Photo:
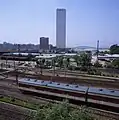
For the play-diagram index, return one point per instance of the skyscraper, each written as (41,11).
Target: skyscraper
(61,28)
(44,43)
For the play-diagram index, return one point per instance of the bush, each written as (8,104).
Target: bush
(83,68)
(71,68)
(103,74)
(94,72)
(1,96)
(77,68)
(13,99)
(97,64)
(90,72)
(109,65)
(108,75)
(112,75)
(62,112)
(98,73)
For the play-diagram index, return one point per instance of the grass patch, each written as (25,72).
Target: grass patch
(62,111)
(19,102)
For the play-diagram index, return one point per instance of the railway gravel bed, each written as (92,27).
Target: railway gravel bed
(83,80)
(13,112)
(106,114)
(14,92)
(100,114)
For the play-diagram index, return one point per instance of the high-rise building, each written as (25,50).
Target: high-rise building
(44,43)
(61,28)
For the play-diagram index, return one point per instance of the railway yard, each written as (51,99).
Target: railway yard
(59,60)
(99,94)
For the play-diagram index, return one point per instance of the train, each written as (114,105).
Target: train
(77,94)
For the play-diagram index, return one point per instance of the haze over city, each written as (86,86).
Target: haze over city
(25,21)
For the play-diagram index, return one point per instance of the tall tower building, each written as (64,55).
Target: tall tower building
(61,28)
(44,43)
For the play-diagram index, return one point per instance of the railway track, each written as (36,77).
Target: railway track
(60,98)
(96,112)
(25,97)
(10,112)
(112,85)
(7,114)
(16,93)
(76,74)
(10,88)
(78,80)
(74,78)
(95,97)
(106,114)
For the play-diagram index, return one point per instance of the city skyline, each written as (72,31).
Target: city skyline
(24,21)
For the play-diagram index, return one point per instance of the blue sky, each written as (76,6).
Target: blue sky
(24,21)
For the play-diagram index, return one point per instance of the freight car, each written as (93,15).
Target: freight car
(75,93)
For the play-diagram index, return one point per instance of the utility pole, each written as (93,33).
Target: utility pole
(16,77)
(19,51)
(6,62)
(19,48)
(97,49)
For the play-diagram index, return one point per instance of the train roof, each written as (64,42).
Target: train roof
(104,91)
(36,82)
(92,90)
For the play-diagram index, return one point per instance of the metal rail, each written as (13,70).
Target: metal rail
(73,100)
(95,111)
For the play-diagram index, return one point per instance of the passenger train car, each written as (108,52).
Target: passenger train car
(75,93)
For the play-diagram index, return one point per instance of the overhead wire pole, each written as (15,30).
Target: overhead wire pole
(19,51)
(97,49)
(97,52)
(16,69)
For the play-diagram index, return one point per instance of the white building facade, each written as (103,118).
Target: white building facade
(61,28)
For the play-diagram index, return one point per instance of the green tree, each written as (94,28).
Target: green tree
(66,63)
(29,57)
(85,60)
(43,61)
(60,62)
(48,63)
(115,63)
(37,62)
(114,49)
(62,112)
(2,65)
(53,64)
(76,58)
(97,64)
(40,64)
